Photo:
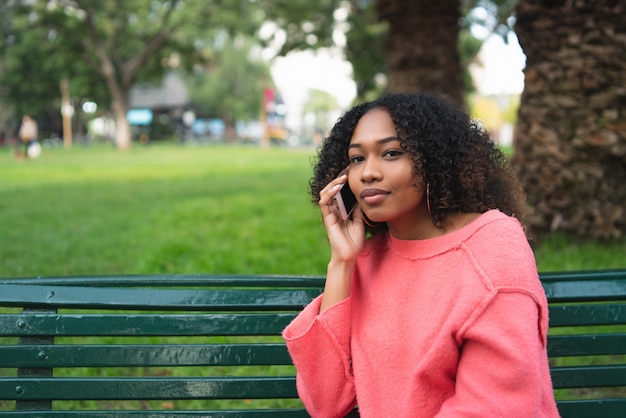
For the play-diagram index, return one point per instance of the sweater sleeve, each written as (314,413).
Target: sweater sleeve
(503,368)
(319,345)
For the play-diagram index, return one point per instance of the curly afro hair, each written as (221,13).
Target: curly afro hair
(454,155)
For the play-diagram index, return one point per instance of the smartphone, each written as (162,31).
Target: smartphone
(345,200)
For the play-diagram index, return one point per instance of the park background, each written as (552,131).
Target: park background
(178,137)
(237,96)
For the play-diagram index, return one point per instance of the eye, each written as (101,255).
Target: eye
(392,153)
(356,159)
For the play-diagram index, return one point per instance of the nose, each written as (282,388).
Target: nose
(370,171)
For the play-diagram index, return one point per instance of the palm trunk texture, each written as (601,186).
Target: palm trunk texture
(423,47)
(570,145)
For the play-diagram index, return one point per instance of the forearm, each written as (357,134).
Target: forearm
(320,348)
(337,287)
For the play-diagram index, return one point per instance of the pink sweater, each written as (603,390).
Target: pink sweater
(453,326)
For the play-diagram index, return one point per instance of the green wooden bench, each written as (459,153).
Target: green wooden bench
(206,345)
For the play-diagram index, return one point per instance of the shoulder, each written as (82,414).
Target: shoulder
(500,249)
(498,226)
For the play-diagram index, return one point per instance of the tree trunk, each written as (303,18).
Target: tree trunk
(570,149)
(123,138)
(119,105)
(230,130)
(423,47)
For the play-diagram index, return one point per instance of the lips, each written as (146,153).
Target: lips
(373,196)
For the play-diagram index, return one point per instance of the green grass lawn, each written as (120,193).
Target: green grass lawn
(175,209)
(159,209)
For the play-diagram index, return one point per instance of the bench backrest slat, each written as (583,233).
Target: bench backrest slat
(589,376)
(144,355)
(147,388)
(586,345)
(178,280)
(587,314)
(146,298)
(153,324)
(584,286)
(604,408)
(239,413)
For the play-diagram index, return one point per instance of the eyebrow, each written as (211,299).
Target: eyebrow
(379,142)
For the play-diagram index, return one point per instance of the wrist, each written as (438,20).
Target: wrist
(338,280)
(340,268)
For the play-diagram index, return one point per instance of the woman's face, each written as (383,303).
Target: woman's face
(382,176)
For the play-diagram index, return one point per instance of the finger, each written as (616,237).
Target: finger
(329,192)
(341,179)
(331,209)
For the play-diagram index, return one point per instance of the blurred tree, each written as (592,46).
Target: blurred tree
(366,40)
(34,60)
(570,149)
(393,45)
(320,105)
(422,49)
(124,42)
(230,86)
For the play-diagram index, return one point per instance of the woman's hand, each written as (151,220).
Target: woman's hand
(346,241)
(346,237)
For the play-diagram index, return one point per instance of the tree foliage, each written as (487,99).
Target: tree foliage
(35,60)
(365,49)
(230,86)
(304,24)
(496,16)
(120,42)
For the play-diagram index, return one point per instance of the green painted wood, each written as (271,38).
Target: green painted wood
(585,286)
(24,295)
(254,413)
(586,345)
(601,408)
(37,372)
(587,314)
(148,388)
(144,355)
(588,376)
(565,276)
(154,324)
(177,280)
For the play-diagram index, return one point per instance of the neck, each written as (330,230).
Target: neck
(423,227)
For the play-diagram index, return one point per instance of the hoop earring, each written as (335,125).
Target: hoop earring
(370,223)
(428,198)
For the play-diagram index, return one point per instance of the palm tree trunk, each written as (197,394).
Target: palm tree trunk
(570,149)
(423,47)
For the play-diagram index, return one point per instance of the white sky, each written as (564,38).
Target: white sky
(299,72)
(503,65)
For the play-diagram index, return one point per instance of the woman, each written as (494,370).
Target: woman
(432,304)
(28,133)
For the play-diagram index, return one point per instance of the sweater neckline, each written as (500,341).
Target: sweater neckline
(434,246)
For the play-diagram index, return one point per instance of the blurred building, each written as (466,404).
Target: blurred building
(169,103)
